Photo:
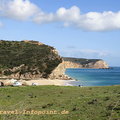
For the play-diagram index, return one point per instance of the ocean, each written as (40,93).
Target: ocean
(95,77)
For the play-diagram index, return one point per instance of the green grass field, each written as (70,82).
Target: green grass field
(69,103)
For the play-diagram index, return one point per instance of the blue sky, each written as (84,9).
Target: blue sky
(76,28)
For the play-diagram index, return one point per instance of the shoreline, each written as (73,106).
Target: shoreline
(37,82)
(43,82)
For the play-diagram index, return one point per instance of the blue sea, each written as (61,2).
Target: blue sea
(95,77)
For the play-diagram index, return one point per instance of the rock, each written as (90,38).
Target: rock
(59,72)
(100,64)
(84,63)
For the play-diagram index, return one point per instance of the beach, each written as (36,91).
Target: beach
(40,81)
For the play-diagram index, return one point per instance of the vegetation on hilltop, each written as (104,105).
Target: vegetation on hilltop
(82,61)
(35,58)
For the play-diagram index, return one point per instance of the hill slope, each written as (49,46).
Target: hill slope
(27,59)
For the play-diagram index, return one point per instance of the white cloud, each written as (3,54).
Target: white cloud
(19,9)
(71,15)
(100,21)
(92,21)
(61,15)
(84,53)
(42,17)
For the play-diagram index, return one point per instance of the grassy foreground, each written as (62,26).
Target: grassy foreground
(69,103)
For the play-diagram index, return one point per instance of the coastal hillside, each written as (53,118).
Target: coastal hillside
(27,59)
(60,103)
(84,63)
(32,59)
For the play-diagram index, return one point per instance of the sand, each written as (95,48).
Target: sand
(40,82)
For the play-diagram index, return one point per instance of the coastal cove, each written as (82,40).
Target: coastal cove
(47,67)
(94,77)
(59,59)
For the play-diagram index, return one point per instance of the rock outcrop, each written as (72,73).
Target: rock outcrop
(59,72)
(84,63)
(98,65)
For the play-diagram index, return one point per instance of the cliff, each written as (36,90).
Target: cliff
(27,59)
(32,59)
(84,63)
(59,71)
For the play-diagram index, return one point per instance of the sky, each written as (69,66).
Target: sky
(76,28)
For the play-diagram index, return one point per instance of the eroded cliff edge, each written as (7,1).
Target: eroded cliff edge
(84,63)
(67,62)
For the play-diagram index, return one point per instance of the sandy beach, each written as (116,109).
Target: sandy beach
(40,81)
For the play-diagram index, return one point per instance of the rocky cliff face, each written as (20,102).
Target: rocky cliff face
(71,64)
(59,71)
(98,65)
(84,63)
